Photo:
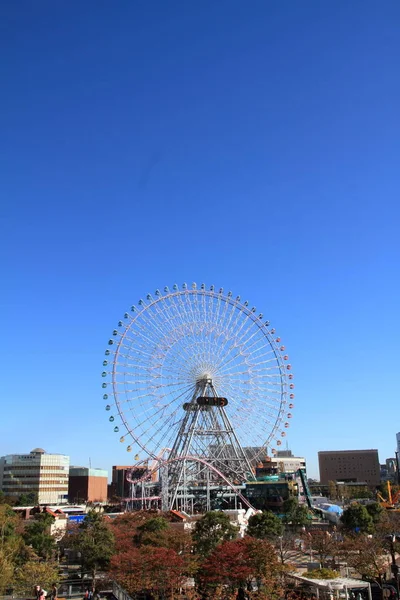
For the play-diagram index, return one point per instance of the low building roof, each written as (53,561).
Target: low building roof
(339,583)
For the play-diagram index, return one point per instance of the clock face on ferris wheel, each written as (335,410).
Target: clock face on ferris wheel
(170,341)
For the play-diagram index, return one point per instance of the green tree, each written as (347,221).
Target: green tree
(37,535)
(376,511)
(6,571)
(35,571)
(95,542)
(212,529)
(332,490)
(265,525)
(9,500)
(10,545)
(357,518)
(17,560)
(8,524)
(295,513)
(28,499)
(149,530)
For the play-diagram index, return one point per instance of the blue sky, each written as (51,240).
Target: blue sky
(250,145)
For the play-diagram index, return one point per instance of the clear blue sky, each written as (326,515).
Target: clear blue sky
(250,145)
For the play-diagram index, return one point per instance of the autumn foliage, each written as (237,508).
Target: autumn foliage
(157,571)
(243,564)
(152,557)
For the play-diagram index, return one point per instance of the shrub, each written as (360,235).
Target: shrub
(321,574)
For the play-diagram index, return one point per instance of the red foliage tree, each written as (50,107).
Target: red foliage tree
(242,565)
(157,571)
(125,526)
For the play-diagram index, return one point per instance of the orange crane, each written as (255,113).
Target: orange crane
(391,501)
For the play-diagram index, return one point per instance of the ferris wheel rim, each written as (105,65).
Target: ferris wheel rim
(249,314)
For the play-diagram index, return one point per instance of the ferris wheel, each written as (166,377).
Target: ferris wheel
(196,372)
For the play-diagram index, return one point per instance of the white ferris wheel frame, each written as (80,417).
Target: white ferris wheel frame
(145,307)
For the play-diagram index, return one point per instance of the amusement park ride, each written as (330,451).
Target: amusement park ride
(202,386)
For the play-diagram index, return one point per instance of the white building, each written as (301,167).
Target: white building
(287,463)
(37,472)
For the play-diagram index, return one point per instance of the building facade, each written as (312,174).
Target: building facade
(119,483)
(287,463)
(349,466)
(282,462)
(389,470)
(87,485)
(37,472)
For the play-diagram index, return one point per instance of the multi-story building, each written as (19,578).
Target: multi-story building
(87,485)
(119,484)
(287,463)
(389,470)
(37,472)
(282,462)
(398,444)
(349,466)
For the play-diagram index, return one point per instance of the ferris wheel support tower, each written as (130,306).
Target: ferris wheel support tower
(207,433)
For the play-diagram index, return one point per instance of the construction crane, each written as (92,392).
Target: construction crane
(391,501)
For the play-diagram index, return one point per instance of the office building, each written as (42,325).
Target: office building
(349,466)
(40,473)
(287,463)
(389,470)
(87,485)
(282,462)
(119,484)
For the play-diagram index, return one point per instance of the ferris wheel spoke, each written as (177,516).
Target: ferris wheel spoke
(230,329)
(166,350)
(249,347)
(142,428)
(164,424)
(184,312)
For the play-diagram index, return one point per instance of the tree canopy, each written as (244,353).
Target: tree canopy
(212,529)
(34,571)
(295,513)
(239,564)
(157,571)
(95,542)
(37,535)
(356,518)
(265,525)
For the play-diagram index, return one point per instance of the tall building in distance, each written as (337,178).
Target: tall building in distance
(87,485)
(37,472)
(349,466)
(398,444)
(287,463)
(119,485)
(389,470)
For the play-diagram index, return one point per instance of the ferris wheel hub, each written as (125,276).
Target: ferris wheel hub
(204,379)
